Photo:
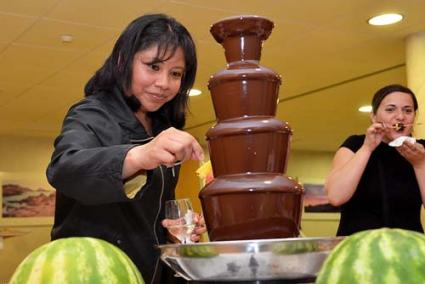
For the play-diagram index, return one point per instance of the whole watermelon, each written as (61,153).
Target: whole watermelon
(77,260)
(376,256)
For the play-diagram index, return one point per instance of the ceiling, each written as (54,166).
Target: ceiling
(330,59)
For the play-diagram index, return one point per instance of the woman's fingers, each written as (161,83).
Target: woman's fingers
(197,151)
(181,150)
(186,146)
(200,227)
(171,222)
(168,148)
(414,153)
(181,145)
(374,135)
(195,238)
(199,230)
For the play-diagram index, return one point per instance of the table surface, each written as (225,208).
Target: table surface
(7,232)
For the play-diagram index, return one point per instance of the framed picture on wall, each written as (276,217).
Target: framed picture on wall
(316,201)
(26,199)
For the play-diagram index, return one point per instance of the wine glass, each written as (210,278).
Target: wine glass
(181,212)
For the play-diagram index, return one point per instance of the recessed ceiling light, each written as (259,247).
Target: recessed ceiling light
(385,19)
(66,38)
(194,92)
(365,108)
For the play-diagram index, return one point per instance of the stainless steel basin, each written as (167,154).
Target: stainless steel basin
(265,259)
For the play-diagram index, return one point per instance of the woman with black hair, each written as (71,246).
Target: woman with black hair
(116,160)
(378,178)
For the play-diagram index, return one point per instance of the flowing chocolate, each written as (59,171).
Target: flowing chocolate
(250,197)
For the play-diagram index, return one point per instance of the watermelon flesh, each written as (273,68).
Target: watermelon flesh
(376,256)
(77,260)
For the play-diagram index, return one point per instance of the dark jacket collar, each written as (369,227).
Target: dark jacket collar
(126,118)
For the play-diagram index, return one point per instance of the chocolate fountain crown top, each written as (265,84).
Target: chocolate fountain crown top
(244,87)
(242,36)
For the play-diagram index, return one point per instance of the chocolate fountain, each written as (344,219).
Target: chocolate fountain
(250,197)
(252,210)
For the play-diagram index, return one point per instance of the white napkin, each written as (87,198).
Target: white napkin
(400,140)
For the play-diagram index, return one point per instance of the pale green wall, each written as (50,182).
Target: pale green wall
(312,167)
(309,166)
(15,249)
(25,154)
(23,158)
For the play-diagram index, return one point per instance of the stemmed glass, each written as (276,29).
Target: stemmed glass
(181,212)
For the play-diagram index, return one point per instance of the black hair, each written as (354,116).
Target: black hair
(141,34)
(385,91)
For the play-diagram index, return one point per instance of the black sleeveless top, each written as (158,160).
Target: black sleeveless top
(387,195)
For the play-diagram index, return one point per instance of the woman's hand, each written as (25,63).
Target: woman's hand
(414,153)
(166,223)
(374,136)
(169,147)
(199,229)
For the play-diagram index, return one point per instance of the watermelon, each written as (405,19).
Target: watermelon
(77,260)
(287,248)
(197,250)
(376,256)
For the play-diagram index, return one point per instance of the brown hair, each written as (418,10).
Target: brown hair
(385,91)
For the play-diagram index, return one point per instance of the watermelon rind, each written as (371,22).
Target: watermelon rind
(77,260)
(376,256)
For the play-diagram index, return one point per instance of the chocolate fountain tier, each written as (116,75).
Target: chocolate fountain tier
(244,89)
(249,144)
(252,206)
(242,36)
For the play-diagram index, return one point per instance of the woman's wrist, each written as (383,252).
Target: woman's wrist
(134,162)
(419,166)
(365,150)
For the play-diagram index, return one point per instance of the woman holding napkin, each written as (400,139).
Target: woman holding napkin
(378,178)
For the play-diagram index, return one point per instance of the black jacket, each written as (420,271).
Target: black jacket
(86,170)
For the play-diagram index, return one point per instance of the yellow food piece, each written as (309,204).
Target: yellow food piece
(204,170)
